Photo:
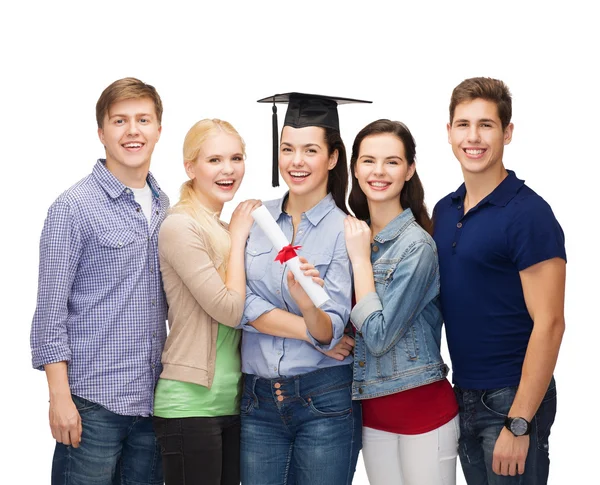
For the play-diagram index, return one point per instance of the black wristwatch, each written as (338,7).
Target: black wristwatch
(518,426)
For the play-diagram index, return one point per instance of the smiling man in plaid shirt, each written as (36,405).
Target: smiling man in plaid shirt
(99,326)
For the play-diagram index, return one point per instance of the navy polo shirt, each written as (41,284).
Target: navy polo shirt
(481,253)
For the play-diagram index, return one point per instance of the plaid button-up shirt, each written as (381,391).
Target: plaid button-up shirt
(101,306)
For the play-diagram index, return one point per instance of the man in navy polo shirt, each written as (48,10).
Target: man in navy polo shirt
(502,269)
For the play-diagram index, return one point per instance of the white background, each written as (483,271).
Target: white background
(215,59)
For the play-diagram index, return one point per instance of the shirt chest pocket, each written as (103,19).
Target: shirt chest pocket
(258,261)
(322,261)
(118,249)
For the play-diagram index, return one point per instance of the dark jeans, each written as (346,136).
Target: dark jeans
(482,416)
(302,430)
(114,450)
(202,451)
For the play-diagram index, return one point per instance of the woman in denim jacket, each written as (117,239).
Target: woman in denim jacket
(409,411)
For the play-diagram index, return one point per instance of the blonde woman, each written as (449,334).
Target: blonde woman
(196,413)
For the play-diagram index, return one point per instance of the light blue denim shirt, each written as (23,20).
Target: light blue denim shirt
(399,327)
(321,235)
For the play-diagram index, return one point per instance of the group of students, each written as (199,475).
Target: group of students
(253,382)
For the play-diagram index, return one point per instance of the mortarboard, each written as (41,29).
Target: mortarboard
(304,110)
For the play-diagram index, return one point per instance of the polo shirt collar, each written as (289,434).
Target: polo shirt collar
(315,214)
(500,196)
(113,186)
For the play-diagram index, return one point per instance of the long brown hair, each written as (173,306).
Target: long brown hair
(412,195)
(337,181)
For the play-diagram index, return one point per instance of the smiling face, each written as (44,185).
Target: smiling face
(218,170)
(382,168)
(304,161)
(129,132)
(477,137)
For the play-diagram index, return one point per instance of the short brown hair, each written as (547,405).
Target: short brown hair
(486,88)
(126,88)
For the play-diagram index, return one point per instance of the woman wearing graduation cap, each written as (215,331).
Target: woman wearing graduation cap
(299,423)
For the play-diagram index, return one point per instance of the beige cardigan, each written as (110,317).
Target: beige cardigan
(197,299)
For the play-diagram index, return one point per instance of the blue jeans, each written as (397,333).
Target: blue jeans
(114,450)
(300,430)
(482,414)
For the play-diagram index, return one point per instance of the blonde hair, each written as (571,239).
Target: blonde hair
(219,242)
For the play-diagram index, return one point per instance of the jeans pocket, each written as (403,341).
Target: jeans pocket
(248,401)
(331,402)
(499,401)
(544,418)
(83,405)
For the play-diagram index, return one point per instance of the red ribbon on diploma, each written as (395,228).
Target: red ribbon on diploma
(287,252)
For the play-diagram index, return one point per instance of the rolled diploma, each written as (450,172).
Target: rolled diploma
(269,226)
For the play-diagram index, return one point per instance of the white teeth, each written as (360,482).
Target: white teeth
(474,152)
(132,145)
(225,182)
(299,174)
(379,184)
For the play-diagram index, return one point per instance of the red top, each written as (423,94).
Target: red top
(415,411)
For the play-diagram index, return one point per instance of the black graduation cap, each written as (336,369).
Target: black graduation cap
(304,110)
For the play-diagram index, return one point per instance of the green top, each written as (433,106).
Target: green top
(177,399)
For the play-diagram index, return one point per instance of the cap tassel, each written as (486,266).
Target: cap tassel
(275,174)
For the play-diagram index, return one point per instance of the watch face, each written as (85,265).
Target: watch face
(518,426)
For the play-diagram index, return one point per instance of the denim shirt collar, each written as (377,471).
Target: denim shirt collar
(315,214)
(395,227)
(113,186)
(500,196)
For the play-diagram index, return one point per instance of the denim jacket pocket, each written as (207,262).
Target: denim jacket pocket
(383,271)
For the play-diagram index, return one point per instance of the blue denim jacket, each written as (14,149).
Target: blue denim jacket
(399,327)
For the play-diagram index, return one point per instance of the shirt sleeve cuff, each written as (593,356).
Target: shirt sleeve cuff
(338,332)
(364,308)
(253,311)
(50,354)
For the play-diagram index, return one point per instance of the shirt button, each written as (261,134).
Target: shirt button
(137,209)
(375,249)
(454,244)
(361,363)
(459,207)
(278,392)
(280,398)
(153,366)
(153,302)
(120,244)
(156,212)
(360,390)
(275,369)
(277,385)
(152,270)
(154,334)
(300,232)
(459,225)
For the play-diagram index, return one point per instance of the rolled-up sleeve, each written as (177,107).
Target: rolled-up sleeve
(338,285)
(60,251)
(254,308)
